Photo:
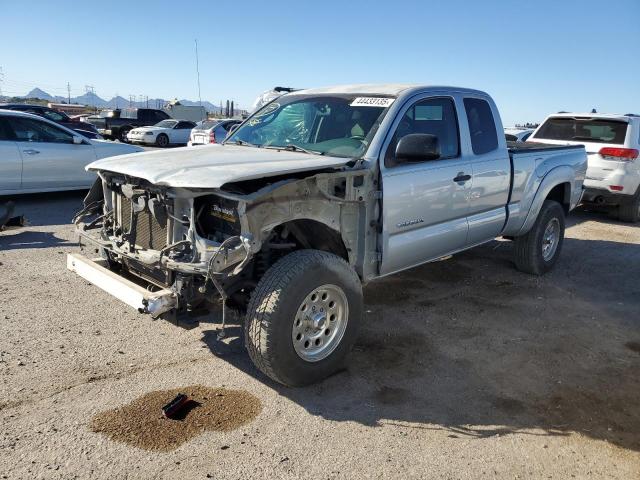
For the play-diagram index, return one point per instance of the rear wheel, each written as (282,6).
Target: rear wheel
(537,251)
(162,140)
(629,211)
(122,136)
(303,317)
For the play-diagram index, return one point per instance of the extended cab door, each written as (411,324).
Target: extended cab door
(10,160)
(425,203)
(50,159)
(491,169)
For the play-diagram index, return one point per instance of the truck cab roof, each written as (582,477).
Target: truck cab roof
(390,89)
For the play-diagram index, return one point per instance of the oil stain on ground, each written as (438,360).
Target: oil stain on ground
(141,423)
(633,346)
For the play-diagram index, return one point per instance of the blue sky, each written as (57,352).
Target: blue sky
(534,57)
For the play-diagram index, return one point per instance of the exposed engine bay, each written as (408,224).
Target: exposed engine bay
(205,245)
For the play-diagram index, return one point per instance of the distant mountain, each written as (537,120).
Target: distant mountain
(116,102)
(37,93)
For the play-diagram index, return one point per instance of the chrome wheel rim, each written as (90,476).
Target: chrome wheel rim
(320,323)
(550,239)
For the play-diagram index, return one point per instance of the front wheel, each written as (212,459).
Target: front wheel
(303,317)
(162,140)
(538,250)
(123,135)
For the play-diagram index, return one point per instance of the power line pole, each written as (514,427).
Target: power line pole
(1,80)
(198,73)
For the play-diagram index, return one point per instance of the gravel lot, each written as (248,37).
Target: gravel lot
(465,369)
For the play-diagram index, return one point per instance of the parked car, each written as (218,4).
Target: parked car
(313,195)
(83,128)
(517,134)
(211,131)
(613,145)
(38,155)
(163,134)
(116,124)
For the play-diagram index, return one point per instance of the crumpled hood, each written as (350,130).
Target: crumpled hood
(212,166)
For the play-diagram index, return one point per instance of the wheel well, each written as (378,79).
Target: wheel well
(313,234)
(561,193)
(282,240)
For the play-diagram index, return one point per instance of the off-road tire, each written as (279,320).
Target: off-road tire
(275,303)
(528,248)
(629,211)
(164,142)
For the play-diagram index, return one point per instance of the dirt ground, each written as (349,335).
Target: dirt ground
(465,369)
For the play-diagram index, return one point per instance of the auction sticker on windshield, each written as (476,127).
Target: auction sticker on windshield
(372,102)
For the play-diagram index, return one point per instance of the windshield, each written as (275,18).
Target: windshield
(338,125)
(584,129)
(166,124)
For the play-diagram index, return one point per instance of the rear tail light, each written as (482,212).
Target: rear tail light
(619,153)
(212,137)
(616,188)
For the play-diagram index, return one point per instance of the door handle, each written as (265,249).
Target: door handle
(461,178)
(31,151)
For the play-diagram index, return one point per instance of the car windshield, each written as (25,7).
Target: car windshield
(166,124)
(338,125)
(583,129)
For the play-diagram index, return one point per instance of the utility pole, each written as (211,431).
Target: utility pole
(130,100)
(68,93)
(1,80)
(232,109)
(147,101)
(198,73)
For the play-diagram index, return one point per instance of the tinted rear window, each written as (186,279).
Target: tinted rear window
(583,130)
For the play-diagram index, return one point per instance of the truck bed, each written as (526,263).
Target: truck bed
(528,147)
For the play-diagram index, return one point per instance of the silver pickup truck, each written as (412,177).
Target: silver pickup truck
(315,194)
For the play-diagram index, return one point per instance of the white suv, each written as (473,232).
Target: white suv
(613,145)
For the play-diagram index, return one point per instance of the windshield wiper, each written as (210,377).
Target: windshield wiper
(294,148)
(246,144)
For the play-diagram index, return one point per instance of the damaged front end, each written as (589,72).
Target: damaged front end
(199,246)
(174,240)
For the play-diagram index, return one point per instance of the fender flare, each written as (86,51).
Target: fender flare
(553,178)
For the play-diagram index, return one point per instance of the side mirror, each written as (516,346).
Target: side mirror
(418,147)
(77,140)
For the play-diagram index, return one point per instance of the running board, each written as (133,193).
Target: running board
(134,295)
